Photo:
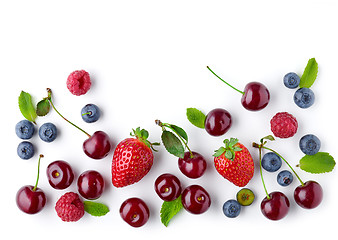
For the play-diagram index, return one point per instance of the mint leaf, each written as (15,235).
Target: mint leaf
(320,162)
(180,131)
(196,117)
(310,74)
(95,209)
(172,144)
(26,106)
(170,209)
(42,108)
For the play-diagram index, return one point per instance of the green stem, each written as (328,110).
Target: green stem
(261,172)
(226,82)
(37,179)
(285,162)
(51,103)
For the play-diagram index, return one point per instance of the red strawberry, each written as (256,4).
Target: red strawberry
(132,160)
(234,162)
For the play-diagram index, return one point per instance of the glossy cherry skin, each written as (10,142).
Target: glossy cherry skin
(97,146)
(308,196)
(90,184)
(192,167)
(30,201)
(168,187)
(275,208)
(217,122)
(256,96)
(60,174)
(196,199)
(135,212)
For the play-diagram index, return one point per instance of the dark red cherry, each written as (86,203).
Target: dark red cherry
(309,195)
(276,207)
(97,146)
(90,184)
(60,174)
(217,122)
(193,165)
(256,96)
(135,212)
(168,187)
(196,199)
(29,200)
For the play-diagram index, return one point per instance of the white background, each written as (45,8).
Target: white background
(147,60)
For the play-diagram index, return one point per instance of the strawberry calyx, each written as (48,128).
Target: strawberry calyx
(142,135)
(229,149)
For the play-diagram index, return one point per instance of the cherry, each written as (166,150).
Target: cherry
(193,165)
(168,187)
(97,146)
(275,206)
(217,122)
(31,199)
(308,195)
(90,184)
(60,174)
(255,96)
(196,199)
(135,212)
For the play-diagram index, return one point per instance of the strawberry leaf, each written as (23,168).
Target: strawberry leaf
(219,152)
(170,209)
(42,108)
(95,209)
(172,144)
(320,162)
(26,106)
(310,74)
(196,117)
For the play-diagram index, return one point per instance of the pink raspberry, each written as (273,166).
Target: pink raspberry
(284,125)
(78,82)
(69,207)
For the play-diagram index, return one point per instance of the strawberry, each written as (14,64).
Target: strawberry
(133,158)
(234,162)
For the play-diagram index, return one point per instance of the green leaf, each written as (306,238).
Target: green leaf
(26,106)
(42,108)
(196,117)
(228,154)
(219,152)
(310,74)
(95,209)
(269,137)
(172,144)
(232,142)
(180,131)
(170,209)
(320,162)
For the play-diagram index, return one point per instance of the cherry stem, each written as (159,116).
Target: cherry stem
(261,172)
(37,179)
(225,81)
(51,103)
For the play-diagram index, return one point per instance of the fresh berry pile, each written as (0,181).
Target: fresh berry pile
(133,158)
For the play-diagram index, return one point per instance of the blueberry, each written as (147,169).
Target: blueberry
(284,178)
(231,208)
(48,132)
(25,150)
(24,129)
(271,162)
(309,144)
(304,97)
(90,113)
(291,80)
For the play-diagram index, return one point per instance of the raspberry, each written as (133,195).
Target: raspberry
(78,82)
(69,207)
(284,125)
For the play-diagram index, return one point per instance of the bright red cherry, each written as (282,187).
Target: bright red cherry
(97,146)
(31,199)
(90,184)
(255,96)
(168,187)
(60,174)
(193,165)
(196,199)
(135,212)
(309,195)
(217,122)
(276,206)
